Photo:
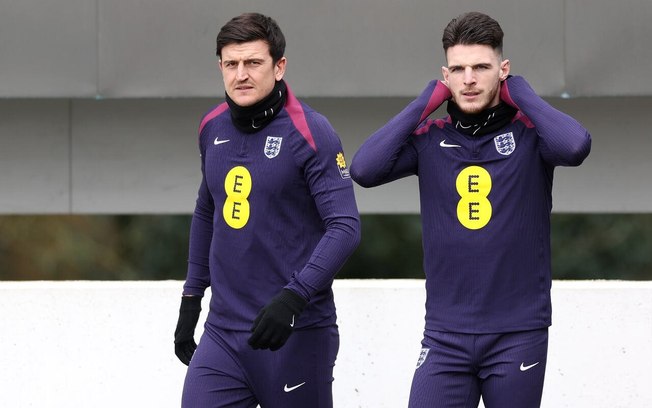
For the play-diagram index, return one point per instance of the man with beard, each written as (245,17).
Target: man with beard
(485,182)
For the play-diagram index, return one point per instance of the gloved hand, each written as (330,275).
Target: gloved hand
(184,342)
(275,321)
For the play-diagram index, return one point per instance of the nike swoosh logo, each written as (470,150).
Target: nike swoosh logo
(292,322)
(525,368)
(216,142)
(290,389)
(444,144)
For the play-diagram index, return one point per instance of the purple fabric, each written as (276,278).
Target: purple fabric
(226,372)
(454,370)
(275,209)
(485,207)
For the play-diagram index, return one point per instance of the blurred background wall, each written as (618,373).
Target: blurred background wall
(100,100)
(100,103)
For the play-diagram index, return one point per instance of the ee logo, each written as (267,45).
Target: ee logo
(474,209)
(237,186)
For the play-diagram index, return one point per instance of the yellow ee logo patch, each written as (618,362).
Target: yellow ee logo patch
(341,166)
(474,209)
(237,186)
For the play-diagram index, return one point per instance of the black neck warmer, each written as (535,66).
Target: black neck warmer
(250,119)
(487,121)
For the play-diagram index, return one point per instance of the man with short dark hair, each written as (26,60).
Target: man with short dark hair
(275,220)
(485,181)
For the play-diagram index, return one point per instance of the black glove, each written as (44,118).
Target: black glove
(275,321)
(184,342)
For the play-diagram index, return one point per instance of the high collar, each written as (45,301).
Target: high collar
(251,119)
(487,121)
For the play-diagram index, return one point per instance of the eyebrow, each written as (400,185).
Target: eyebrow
(480,64)
(245,60)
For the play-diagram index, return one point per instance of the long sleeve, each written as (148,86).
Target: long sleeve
(201,232)
(333,195)
(274,210)
(565,142)
(383,157)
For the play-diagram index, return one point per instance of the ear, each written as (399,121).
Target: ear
(219,64)
(504,69)
(445,73)
(279,68)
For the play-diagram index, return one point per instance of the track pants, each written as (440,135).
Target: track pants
(226,372)
(455,370)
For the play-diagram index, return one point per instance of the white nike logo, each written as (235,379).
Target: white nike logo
(292,322)
(216,142)
(525,368)
(290,389)
(444,144)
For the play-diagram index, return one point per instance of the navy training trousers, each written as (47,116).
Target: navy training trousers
(455,370)
(225,372)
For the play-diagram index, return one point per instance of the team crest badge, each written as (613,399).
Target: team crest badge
(341,166)
(273,146)
(422,357)
(505,143)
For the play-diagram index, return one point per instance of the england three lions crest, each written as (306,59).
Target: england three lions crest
(505,143)
(422,357)
(273,146)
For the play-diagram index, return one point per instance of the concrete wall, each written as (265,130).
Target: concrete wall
(84,128)
(141,155)
(339,48)
(109,344)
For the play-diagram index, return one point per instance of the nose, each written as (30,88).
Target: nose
(469,76)
(241,73)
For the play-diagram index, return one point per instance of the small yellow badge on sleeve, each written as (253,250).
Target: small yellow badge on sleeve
(341,166)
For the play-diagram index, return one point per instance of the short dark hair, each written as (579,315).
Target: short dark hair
(473,28)
(252,27)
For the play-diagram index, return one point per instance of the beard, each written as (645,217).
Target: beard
(484,100)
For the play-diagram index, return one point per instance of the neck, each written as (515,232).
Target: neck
(486,121)
(250,119)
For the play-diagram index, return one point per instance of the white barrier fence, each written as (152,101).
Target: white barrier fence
(109,344)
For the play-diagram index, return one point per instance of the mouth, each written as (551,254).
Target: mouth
(470,94)
(243,88)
